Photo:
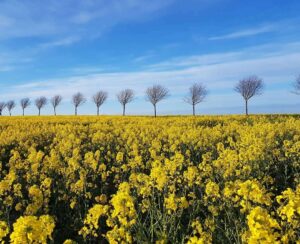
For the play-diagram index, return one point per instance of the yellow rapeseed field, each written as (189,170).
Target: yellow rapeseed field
(210,179)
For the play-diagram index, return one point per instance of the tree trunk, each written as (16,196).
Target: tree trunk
(123,109)
(54,111)
(9,113)
(97,110)
(39,111)
(23,111)
(75,110)
(154,110)
(194,109)
(0,112)
(246,106)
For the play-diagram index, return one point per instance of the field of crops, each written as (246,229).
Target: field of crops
(211,179)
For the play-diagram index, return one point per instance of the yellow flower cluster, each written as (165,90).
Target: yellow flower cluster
(32,229)
(210,179)
(262,227)
(4,230)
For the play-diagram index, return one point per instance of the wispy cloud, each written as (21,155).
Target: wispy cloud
(31,85)
(146,56)
(155,52)
(276,67)
(10,60)
(61,18)
(195,60)
(246,32)
(85,70)
(250,53)
(61,42)
(64,23)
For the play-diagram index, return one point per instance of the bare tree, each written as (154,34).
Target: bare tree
(55,101)
(10,106)
(25,102)
(99,98)
(249,87)
(155,94)
(124,97)
(78,99)
(197,94)
(2,107)
(297,86)
(40,103)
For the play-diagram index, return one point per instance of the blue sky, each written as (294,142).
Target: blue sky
(62,47)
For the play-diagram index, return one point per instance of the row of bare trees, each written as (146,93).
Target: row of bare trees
(154,94)
(247,88)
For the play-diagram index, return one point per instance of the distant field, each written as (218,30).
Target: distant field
(177,179)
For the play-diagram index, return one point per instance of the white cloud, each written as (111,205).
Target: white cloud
(277,67)
(85,70)
(247,32)
(283,26)
(62,18)
(10,60)
(254,52)
(144,57)
(61,42)
(63,23)
(195,60)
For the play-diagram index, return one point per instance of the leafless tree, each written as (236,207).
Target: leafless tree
(55,101)
(99,98)
(197,94)
(124,97)
(10,106)
(297,86)
(155,94)
(40,103)
(25,102)
(2,107)
(78,99)
(249,87)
